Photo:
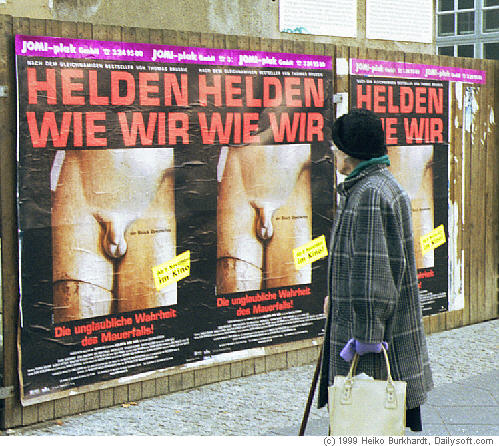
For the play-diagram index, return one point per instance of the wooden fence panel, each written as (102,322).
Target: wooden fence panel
(455,318)
(12,409)
(491,220)
(479,195)
(473,198)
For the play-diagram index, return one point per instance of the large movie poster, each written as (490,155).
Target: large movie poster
(165,196)
(415,116)
(414,101)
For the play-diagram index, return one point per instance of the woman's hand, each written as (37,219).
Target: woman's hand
(361,348)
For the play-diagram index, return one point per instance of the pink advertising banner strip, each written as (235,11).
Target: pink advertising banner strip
(411,70)
(145,52)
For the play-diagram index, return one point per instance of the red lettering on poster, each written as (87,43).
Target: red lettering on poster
(178,132)
(292,91)
(137,127)
(155,315)
(214,90)
(180,92)
(48,86)
(68,86)
(93,128)
(216,127)
(426,274)
(93,94)
(436,100)
(390,128)
(231,91)
(420,99)
(284,129)
(62,331)
(406,100)
(87,127)
(77,129)
(272,92)
(251,101)
(313,92)
(109,327)
(250,127)
(59,135)
(122,78)
(423,129)
(315,126)
(422,103)
(148,86)
(392,107)
(303,124)
(257,303)
(161,129)
(379,99)
(155,126)
(364,97)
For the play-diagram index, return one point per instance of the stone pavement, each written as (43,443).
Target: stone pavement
(469,407)
(465,401)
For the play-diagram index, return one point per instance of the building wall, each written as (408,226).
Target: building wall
(257,18)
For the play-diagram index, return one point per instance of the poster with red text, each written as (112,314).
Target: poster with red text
(415,116)
(414,101)
(164,196)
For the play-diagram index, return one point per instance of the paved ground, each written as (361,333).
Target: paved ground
(465,401)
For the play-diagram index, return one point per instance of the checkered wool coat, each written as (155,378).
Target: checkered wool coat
(373,285)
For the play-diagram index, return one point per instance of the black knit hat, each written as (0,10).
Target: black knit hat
(359,134)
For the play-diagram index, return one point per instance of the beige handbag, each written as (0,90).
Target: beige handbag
(361,405)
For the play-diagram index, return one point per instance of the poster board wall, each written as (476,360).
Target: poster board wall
(478,283)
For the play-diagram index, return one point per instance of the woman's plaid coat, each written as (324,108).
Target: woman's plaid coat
(373,285)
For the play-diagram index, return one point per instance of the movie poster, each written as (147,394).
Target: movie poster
(415,116)
(165,196)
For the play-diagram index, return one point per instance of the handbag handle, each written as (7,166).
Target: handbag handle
(391,400)
(356,357)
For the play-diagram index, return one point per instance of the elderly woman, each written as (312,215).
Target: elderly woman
(373,290)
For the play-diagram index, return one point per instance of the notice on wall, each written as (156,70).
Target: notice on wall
(415,116)
(161,193)
(320,17)
(401,20)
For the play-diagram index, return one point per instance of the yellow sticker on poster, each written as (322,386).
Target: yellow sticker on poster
(172,271)
(310,252)
(433,239)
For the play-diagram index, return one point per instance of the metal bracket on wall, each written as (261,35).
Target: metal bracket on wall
(4,91)
(6,392)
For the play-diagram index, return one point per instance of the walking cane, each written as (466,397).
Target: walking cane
(311,395)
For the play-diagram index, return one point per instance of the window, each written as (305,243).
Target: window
(491,50)
(456,17)
(446,25)
(466,50)
(446,50)
(467,28)
(466,4)
(490,20)
(466,23)
(446,5)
